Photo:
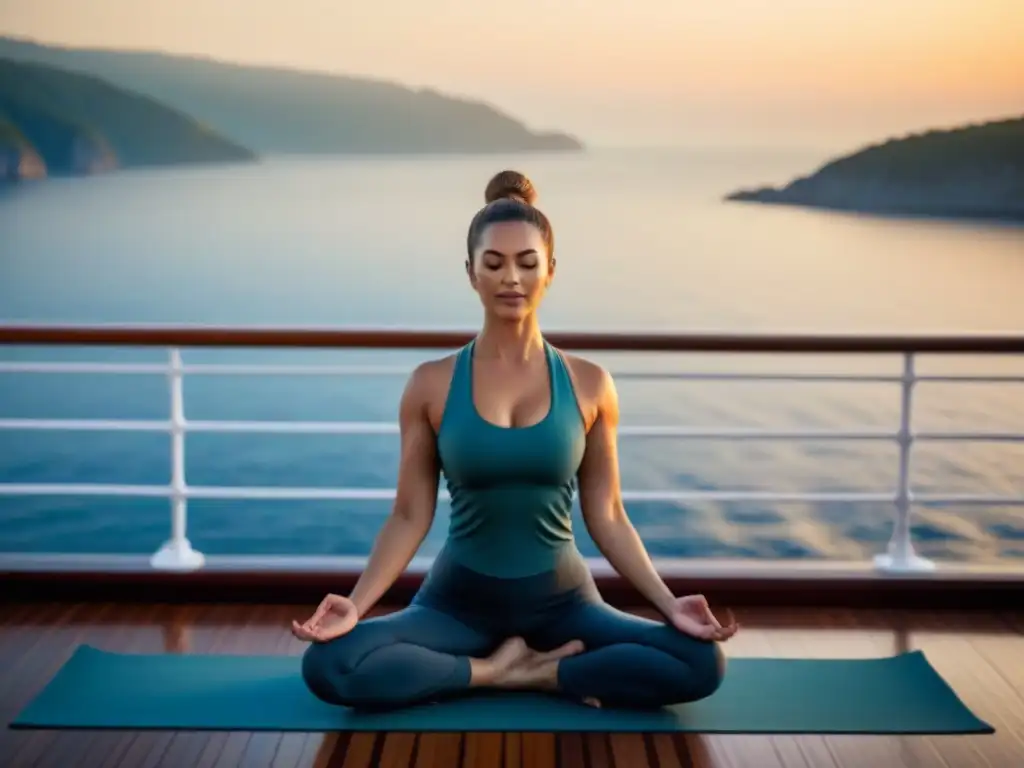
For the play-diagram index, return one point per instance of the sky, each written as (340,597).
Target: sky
(758,73)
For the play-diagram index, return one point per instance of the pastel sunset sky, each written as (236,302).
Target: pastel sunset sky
(822,73)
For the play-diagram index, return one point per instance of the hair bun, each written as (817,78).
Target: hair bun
(510,185)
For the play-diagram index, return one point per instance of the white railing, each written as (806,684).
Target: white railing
(178,554)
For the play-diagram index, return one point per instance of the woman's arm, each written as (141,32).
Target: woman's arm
(601,501)
(415,499)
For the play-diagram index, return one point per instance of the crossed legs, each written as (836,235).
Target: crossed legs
(415,655)
(628,661)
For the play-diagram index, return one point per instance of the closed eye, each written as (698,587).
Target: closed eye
(527,259)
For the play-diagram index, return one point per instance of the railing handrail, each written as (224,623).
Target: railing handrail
(168,335)
(177,553)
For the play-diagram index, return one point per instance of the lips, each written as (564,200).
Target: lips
(511,296)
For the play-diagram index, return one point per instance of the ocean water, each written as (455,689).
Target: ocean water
(644,241)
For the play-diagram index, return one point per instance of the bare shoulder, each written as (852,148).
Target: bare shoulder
(591,379)
(595,388)
(431,374)
(427,388)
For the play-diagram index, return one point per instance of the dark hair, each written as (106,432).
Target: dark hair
(509,196)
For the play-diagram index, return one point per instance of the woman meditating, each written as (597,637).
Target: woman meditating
(515,425)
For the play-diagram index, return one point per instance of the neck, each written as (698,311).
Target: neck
(514,341)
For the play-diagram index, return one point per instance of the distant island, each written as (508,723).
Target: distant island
(974,172)
(277,110)
(58,123)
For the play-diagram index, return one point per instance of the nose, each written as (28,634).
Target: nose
(510,276)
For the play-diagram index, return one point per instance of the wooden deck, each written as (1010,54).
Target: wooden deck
(981,655)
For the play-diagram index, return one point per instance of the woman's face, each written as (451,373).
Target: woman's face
(511,269)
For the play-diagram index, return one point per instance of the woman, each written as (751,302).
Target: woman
(509,602)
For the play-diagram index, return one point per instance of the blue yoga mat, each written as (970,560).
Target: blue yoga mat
(97,689)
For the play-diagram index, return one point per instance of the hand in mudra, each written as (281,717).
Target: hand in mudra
(692,615)
(334,617)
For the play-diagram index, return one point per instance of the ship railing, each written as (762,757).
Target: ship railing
(178,554)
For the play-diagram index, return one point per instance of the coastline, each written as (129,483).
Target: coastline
(973,172)
(950,213)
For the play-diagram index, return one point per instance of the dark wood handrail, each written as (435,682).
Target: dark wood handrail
(382,338)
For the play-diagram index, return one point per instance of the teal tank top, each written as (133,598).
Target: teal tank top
(511,487)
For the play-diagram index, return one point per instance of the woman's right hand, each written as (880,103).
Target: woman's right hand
(335,616)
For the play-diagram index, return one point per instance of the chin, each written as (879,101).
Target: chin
(510,314)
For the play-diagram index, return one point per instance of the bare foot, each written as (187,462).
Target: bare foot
(486,672)
(569,649)
(590,701)
(511,652)
(537,670)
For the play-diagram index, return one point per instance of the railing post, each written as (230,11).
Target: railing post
(177,554)
(901,557)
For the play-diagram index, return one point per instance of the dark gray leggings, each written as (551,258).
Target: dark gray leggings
(422,652)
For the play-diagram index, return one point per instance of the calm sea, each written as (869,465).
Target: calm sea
(644,242)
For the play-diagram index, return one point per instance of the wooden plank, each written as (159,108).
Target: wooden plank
(539,750)
(799,752)
(514,751)
(322,750)
(980,654)
(110,748)
(438,750)
(398,750)
(359,753)
(665,753)
(289,750)
(101,627)
(981,686)
(571,752)
(483,750)
(598,753)
(733,750)
(844,634)
(628,749)
(256,636)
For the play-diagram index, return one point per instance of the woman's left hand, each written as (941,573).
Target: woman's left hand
(692,616)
